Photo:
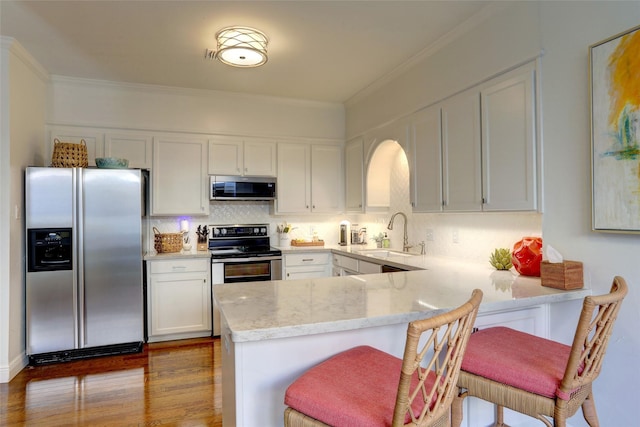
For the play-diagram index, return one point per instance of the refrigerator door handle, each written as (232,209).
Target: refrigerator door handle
(78,286)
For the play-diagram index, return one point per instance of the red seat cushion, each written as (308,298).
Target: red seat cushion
(517,359)
(357,387)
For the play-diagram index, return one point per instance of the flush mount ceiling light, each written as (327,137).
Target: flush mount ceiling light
(240,47)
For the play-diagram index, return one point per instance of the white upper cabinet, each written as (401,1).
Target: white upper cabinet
(294,178)
(426,161)
(310,178)
(260,158)
(242,156)
(354,175)
(508,142)
(327,195)
(488,140)
(179,177)
(477,151)
(461,164)
(135,147)
(225,156)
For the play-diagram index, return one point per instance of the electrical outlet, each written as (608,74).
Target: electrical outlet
(429,235)
(455,237)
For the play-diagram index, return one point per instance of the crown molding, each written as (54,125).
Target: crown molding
(14,46)
(173,90)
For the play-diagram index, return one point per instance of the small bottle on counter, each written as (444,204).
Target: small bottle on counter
(386,243)
(363,236)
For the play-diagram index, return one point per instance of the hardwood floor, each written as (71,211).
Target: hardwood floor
(172,383)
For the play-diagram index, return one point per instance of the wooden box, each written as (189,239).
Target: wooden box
(562,275)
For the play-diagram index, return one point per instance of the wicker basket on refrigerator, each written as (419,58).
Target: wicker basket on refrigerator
(69,154)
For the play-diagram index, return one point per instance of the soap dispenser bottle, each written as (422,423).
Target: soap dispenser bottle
(385,241)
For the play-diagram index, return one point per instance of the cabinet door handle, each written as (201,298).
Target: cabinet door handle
(307,259)
(178,267)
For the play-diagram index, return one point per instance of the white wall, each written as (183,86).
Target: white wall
(567,31)
(474,57)
(515,33)
(24,96)
(157,108)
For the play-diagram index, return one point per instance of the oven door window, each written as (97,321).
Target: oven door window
(247,271)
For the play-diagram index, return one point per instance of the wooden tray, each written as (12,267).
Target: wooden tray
(300,243)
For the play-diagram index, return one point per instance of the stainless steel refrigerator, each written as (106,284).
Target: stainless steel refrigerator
(84,289)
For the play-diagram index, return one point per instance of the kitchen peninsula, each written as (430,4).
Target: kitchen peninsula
(273,331)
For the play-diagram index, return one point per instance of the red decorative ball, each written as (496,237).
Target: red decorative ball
(527,256)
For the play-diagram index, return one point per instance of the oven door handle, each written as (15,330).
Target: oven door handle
(250,259)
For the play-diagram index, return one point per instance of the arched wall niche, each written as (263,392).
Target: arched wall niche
(382,158)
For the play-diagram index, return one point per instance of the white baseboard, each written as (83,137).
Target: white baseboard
(16,365)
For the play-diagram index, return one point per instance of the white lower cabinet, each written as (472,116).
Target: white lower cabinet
(306,265)
(178,299)
(345,266)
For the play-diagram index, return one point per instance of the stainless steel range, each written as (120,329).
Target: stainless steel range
(241,253)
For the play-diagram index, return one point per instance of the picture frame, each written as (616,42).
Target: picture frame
(615,132)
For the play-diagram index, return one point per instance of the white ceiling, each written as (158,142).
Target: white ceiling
(318,50)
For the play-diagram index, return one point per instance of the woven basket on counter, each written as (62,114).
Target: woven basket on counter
(69,155)
(167,242)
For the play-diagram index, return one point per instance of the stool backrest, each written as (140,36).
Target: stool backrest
(441,354)
(594,328)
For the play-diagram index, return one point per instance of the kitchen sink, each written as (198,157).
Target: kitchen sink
(384,253)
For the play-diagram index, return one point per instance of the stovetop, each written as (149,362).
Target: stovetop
(240,241)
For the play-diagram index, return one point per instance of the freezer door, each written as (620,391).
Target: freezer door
(111,253)
(51,313)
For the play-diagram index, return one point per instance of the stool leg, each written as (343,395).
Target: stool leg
(457,410)
(589,411)
(500,416)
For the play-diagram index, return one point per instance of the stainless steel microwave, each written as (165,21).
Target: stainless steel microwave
(242,188)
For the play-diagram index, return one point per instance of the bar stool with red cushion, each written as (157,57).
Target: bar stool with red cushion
(539,377)
(367,387)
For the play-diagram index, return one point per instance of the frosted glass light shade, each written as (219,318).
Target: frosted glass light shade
(242,46)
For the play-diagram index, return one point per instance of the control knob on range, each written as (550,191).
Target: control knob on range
(256,230)
(263,230)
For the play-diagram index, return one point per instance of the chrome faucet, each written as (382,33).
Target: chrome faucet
(405,243)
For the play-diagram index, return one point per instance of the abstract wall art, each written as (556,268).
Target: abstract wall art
(615,133)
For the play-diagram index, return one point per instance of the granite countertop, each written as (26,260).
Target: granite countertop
(278,309)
